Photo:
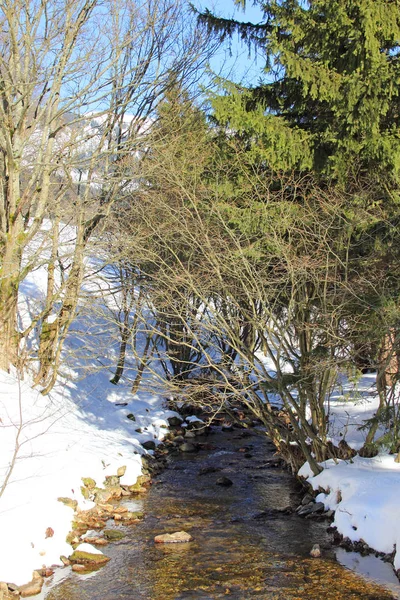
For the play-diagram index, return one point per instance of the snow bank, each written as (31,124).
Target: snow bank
(54,441)
(365,496)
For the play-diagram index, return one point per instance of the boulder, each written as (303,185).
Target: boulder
(138,486)
(97,541)
(307,499)
(113,534)
(120,510)
(179,439)
(174,421)
(224,481)
(208,470)
(32,588)
(196,425)
(312,507)
(103,496)
(69,502)
(187,447)
(133,516)
(149,445)
(173,538)
(86,554)
(89,483)
(79,568)
(111,481)
(315,551)
(4,595)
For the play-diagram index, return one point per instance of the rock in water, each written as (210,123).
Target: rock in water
(187,447)
(149,445)
(312,507)
(113,534)
(86,554)
(173,538)
(32,588)
(174,421)
(226,426)
(224,481)
(315,551)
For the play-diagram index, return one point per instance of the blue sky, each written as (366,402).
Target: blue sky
(234,59)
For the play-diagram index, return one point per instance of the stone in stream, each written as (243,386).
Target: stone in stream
(178,439)
(187,447)
(207,470)
(224,481)
(79,568)
(307,499)
(113,534)
(312,507)
(173,538)
(227,426)
(315,551)
(85,554)
(174,421)
(32,588)
(149,445)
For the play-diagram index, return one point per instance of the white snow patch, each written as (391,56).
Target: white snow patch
(364,494)
(85,547)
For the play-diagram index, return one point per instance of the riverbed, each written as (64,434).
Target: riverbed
(246,541)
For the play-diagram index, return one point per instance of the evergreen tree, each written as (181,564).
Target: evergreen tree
(331,100)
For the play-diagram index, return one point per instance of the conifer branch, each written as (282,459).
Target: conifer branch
(226,28)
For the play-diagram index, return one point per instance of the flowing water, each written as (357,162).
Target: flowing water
(243,547)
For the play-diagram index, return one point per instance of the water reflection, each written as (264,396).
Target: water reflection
(370,567)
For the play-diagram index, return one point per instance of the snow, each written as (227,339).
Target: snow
(194,419)
(364,495)
(85,547)
(363,492)
(70,434)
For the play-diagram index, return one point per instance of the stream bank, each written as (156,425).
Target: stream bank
(247,540)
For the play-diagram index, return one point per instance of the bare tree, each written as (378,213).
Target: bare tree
(250,291)
(79,83)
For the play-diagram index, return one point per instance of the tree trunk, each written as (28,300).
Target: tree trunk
(53,334)
(122,352)
(386,377)
(9,284)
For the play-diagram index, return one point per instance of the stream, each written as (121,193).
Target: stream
(243,547)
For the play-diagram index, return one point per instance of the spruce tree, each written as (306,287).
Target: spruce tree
(331,100)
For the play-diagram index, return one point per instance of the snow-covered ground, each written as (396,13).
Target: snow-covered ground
(77,431)
(364,492)
(81,429)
